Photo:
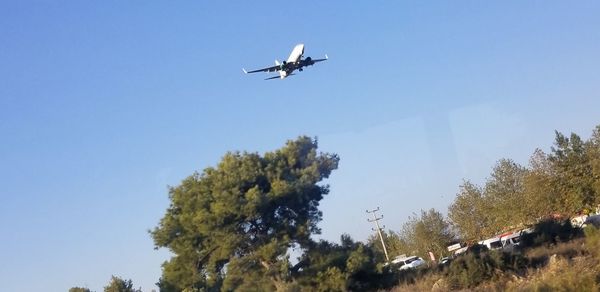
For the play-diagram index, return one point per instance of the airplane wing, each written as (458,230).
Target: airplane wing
(268,69)
(320,60)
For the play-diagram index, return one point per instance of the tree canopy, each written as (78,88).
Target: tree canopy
(118,284)
(79,289)
(565,182)
(232,225)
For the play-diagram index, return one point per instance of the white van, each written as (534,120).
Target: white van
(492,243)
(510,241)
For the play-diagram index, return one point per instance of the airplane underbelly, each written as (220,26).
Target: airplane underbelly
(297,52)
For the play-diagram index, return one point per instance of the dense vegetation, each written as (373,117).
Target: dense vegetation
(561,184)
(232,227)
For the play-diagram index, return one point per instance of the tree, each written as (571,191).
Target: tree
(232,225)
(394,244)
(117,284)
(574,173)
(468,213)
(593,153)
(349,266)
(427,232)
(504,194)
(79,289)
(541,195)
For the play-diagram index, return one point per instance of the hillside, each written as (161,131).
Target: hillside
(573,265)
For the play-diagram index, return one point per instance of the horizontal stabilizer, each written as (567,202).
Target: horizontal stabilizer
(279,77)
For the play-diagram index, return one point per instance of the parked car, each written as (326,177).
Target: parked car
(405,263)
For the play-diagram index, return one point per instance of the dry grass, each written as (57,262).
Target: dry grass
(571,249)
(561,274)
(423,284)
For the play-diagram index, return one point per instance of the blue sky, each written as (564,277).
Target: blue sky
(103,104)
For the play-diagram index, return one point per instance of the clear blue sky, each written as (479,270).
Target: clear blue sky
(103,104)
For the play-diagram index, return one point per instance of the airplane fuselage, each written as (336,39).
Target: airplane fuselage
(288,67)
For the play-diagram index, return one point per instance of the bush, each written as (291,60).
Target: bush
(550,232)
(475,268)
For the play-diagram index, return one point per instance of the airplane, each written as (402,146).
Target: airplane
(294,62)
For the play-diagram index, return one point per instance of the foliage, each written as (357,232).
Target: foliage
(117,284)
(549,231)
(79,289)
(349,266)
(504,195)
(474,268)
(564,182)
(394,243)
(574,173)
(468,213)
(592,240)
(427,232)
(232,225)
(542,198)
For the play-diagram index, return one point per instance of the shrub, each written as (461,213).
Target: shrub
(475,268)
(550,232)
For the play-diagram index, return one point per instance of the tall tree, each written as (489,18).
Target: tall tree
(504,194)
(467,213)
(239,219)
(593,152)
(79,289)
(394,244)
(542,197)
(574,173)
(117,284)
(427,232)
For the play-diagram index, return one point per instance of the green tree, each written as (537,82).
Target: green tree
(394,244)
(541,195)
(427,232)
(117,284)
(468,212)
(231,226)
(79,289)
(504,194)
(349,266)
(574,172)
(593,152)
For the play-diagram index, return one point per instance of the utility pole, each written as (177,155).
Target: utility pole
(376,220)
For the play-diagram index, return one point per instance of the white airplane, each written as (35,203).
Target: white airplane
(294,62)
